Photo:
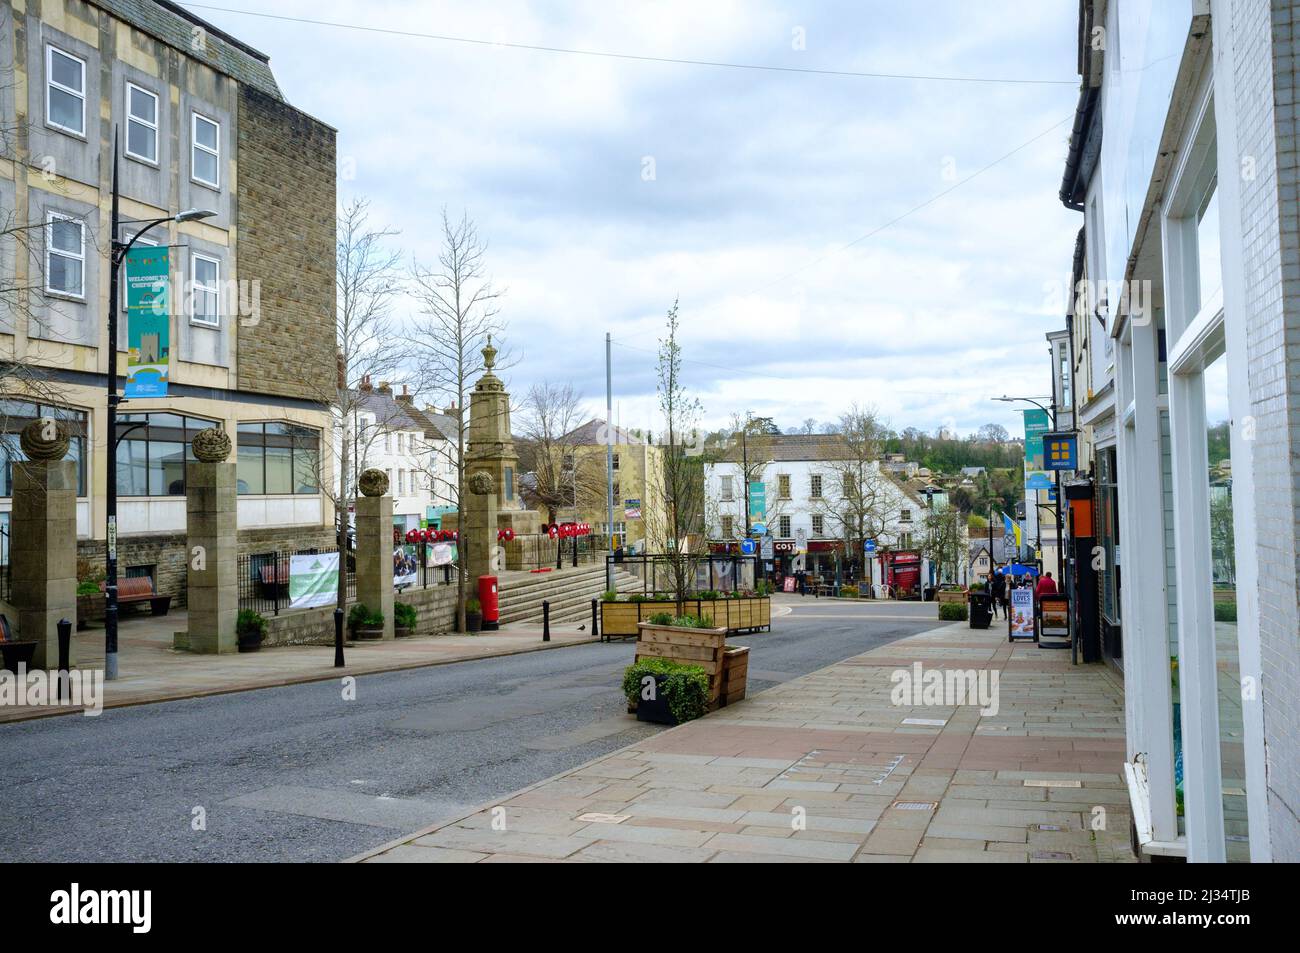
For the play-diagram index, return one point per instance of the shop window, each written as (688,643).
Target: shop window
(279,459)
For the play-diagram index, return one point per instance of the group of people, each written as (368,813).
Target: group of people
(1001,583)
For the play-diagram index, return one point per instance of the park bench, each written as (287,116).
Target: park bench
(140,589)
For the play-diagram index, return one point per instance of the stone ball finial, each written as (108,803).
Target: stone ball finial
(373,482)
(211,445)
(481,483)
(44,439)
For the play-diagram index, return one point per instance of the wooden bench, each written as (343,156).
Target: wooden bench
(140,589)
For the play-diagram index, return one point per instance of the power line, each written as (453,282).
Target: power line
(607,54)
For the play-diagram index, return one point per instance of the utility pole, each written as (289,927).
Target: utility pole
(110,496)
(744,470)
(609,457)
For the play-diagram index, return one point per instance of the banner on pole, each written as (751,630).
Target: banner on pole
(1036,475)
(148,321)
(313,580)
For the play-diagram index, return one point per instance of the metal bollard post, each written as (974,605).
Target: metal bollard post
(338,638)
(65,650)
(546,620)
(595,617)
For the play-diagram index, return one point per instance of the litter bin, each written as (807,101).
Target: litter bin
(980,610)
(487,597)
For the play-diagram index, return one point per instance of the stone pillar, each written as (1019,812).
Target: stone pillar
(211,546)
(43,539)
(374,521)
(479,537)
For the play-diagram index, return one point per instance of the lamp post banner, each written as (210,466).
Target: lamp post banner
(1036,475)
(313,580)
(148,321)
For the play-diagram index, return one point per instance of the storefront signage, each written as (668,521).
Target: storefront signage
(632,509)
(1022,613)
(148,321)
(1060,452)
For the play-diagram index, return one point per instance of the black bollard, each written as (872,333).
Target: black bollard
(338,638)
(65,650)
(595,617)
(546,621)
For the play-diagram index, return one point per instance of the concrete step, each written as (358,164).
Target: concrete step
(569,593)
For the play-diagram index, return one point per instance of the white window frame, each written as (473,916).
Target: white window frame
(195,116)
(50,84)
(132,118)
(50,218)
(195,288)
(818,524)
(725,489)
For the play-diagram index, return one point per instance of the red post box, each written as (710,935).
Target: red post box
(487,597)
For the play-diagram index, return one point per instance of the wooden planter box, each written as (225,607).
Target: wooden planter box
(950,595)
(735,673)
(702,647)
(748,614)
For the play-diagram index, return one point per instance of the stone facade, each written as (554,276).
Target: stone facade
(435,615)
(286,221)
(213,586)
(43,553)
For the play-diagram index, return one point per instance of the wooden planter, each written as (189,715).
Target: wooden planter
(747,614)
(702,647)
(950,595)
(735,673)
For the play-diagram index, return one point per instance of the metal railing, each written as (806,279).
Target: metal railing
(716,572)
(534,552)
(264,578)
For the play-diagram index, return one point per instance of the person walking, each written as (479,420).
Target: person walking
(998,587)
(1046,586)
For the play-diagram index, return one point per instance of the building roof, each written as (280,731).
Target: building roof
(595,432)
(174,25)
(389,413)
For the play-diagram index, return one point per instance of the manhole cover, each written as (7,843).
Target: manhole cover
(914,805)
(1051,855)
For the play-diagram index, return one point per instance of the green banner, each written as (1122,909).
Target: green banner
(313,580)
(757,501)
(148,321)
(1036,475)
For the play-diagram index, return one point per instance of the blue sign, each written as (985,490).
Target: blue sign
(747,547)
(1060,451)
(868,546)
(758,529)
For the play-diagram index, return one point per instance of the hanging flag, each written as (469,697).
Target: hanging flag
(148,321)
(1011,530)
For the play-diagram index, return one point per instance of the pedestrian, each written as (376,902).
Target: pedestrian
(998,587)
(1046,586)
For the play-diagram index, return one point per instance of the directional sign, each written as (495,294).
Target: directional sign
(747,547)
(758,529)
(868,546)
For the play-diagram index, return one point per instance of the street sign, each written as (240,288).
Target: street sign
(1060,451)
(768,548)
(868,546)
(631,509)
(758,529)
(747,547)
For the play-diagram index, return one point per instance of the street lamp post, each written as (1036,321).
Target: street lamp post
(117,252)
(1060,542)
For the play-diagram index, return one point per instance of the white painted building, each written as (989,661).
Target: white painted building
(1183,162)
(803,486)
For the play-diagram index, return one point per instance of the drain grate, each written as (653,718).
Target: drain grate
(914,805)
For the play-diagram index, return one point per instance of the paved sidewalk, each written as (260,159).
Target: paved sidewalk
(152,671)
(830,748)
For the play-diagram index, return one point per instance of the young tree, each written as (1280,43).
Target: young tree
(856,495)
(458,309)
(682,487)
(367,280)
(563,476)
(943,540)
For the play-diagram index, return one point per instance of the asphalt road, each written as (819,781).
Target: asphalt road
(301,774)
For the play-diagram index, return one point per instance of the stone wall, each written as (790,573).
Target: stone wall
(286,222)
(435,608)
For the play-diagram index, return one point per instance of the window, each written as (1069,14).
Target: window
(65,256)
(65,91)
(616,461)
(1209,269)
(141,124)
(205,290)
(785,526)
(401,478)
(815,486)
(819,524)
(388,442)
(152,452)
(905,516)
(904,540)
(17,414)
(205,162)
(727,492)
(276,458)
(783,486)
(849,486)
(728,527)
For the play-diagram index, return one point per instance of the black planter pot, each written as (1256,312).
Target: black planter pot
(17,653)
(368,633)
(655,710)
(473,621)
(980,610)
(250,643)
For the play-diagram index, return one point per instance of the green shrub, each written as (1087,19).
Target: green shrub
(708,594)
(978,586)
(764,588)
(952,611)
(609,595)
(404,615)
(661,618)
(360,615)
(685,687)
(88,587)
(473,606)
(1225,612)
(637,597)
(249,622)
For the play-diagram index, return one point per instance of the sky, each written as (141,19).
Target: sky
(895,243)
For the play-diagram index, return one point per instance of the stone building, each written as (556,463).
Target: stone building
(1181,364)
(200,123)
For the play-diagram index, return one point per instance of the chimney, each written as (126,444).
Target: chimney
(385,388)
(365,384)
(405,396)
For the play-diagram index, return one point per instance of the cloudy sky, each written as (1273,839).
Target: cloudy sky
(833,239)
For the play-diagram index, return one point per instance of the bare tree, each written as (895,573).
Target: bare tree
(855,494)
(563,476)
(458,308)
(367,283)
(944,540)
(682,487)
